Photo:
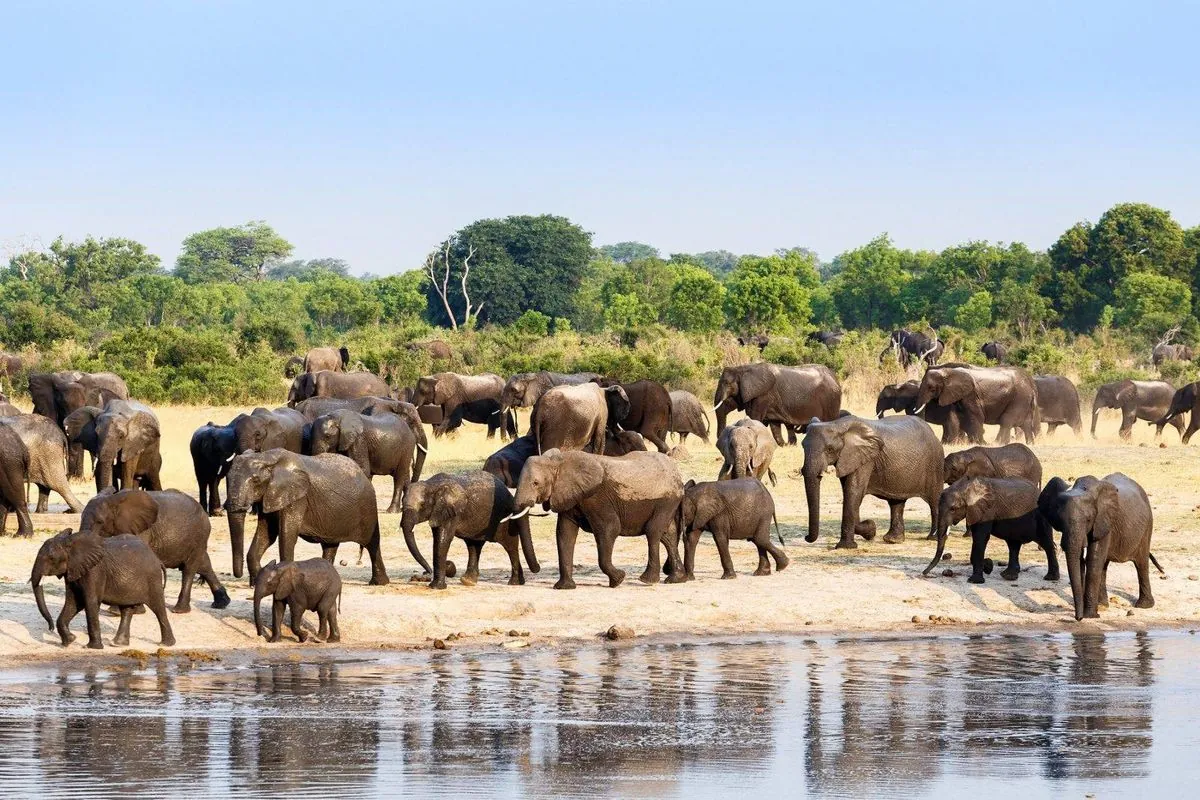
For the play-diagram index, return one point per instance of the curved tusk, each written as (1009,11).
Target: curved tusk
(494,413)
(231,458)
(422,448)
(718,405)
(517,514)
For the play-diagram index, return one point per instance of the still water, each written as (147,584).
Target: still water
(1050,715)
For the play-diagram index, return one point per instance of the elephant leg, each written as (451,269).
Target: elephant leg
(184,604)
(932,501)
(1093,584)
(689,554)
(214,499)
(979,542)
(853,488)
(258,546)
(791,435)
(721,538)
(895,532)
(158,607)
(566,532)
(1145,595)
(1102,603)
(1013,569)
(335,635)
(777,434)
(1128,417)
(1177,422)
(91,608)
(764,562)
(277,609)
(69,610)
(1193,426)
(329,552)
(43,499)
(399,483)
(474,549)
(441,549)
(322,623)
(653,557)
(288,533)
(203,567)
(1046,542)
(516,575)
(658,441)
(379,576)
(763,539)
(122,637)
(604,551)
(296,609)
(63,487)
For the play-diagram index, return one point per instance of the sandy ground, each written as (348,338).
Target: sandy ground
(877,587)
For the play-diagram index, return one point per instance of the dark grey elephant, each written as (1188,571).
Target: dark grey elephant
(830,339)
(128,435)
(1170,352)
(214,446)
(47,448)
(892,459)
(319,406)
(902,397)
(310,585)
(524,389)
(775,395)
(907,346)
(1003,396)
(748,449)
(1058,403)
(1144,400)
(736,509)
(14,469)
(621,442)
(341,385)
(995,351)
(1102,521)
(380,444)
(1185,401)
(1010,461)
(688,416)
(507,462)
(575,416)
(57,394)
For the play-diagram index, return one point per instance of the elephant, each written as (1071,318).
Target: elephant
(278,483)
(310,585)
(380,444)
(449,390)
(893,459)
(734,509)
(57,394)
(14,471)
(1058,403)
(1101,521)
(688,416)
(436,349)
(1184,401)
(128,435)
(902,397)
(1006,508)
(7,409)
(635,495)
(341,385)
(120,571)
(1010,461)
(775,395)
(47,448)
(748,448)
(327,358)
(319,406)
(524,389)
(175,527)
(649,411)
(830,339)
(293,367)
(214,446)
(481,412)
(906,347)
(995,351)
(1003,396)
(1170,352)
(475,507)
(10,365)
(759,340)
(507,462)
(621,442)
(575,416)
(1145,400)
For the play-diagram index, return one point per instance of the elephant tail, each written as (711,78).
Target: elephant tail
(1157,566)
(775,519)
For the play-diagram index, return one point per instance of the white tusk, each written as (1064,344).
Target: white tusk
(231,458)
(619,428)
(494,413)
(516,514)
(422,449)
(718,405)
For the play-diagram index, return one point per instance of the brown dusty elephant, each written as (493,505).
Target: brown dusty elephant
(1003,396)
(649,411)
(299,586)
(57,394)
(324,499)
(334,359)
(635,495)
(1102,521)
(14,471)
(736,509)
(902,397)
(380,444)
(1058,403)
(892,459)
(7,409)
(1010,461)
(341,385)
(1145,400)
(747,448)
(436,349)
(688,416)
(524,389)
(128,435)
(774,395)
(574,416)
(1185,401)
(213,446)
(319,406)
(47,448)
(621,442)
(1170,352)
(449,391)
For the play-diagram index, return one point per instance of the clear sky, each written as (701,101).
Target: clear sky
(370,131)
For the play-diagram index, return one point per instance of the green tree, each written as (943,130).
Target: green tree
(718,262)
(402,296)
(624,252)
(870,285)
(626,311)
(341,303)
(976,313)
(1019,303)
(696,301)
(1151,303)
(308,270)
(245,253)
(770,294)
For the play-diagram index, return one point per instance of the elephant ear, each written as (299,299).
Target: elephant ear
(350,430)
(78,420)
(860,446)
(756,381)
(1048,501)
(287,486)
(287,580)
(1107,510)
(450,500)
(576,476)
(957,387)
(113,513)
(982,505)
(86,552)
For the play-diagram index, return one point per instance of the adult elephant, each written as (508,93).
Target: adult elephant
(1144,400)
(327,358)
(893,459)
(1058,403)
(507,462)
(380,444)
(1170,352)
(649,411)
(1186,400)
(902,398)
(319,406)
(449,390)
(14,469)
(634,495)
(524,389)
(776,395)
(47,447)
(214,446)
(56,394)
(1003,396)
(293,367)
(688,416)
(324,499)
(341,385)
(10,365)
(129,437)
(995,351)
(481,412)
(436,349)
(575,416)
(906,346)
(828,338)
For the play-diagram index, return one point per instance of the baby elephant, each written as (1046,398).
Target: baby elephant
(1006,508)
(312,585)
(1009,461)
(735,509)
(748,449)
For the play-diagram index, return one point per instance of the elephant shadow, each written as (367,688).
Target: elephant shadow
(26,615)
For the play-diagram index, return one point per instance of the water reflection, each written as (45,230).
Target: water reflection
(825,717)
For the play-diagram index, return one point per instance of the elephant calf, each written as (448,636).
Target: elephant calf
(1010,461)
(735,509)
(1006,508)
(748,448)
(688,416)
(311,585)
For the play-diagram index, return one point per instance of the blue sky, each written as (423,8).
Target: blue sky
(370,131)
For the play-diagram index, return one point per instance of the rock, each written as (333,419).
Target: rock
(679,453)
(1162,445)
(617,632)
(515,644)
(1194,577)
(947,557)
(438,644)
(1129,613)
(515,632)
(948,573)
(343,562)
(916,620)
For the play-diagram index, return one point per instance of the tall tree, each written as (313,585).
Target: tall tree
(241,254)
(625,252)
(870,284)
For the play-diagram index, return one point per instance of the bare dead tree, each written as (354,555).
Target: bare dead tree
(442,285)
(20,253)
(1169,335)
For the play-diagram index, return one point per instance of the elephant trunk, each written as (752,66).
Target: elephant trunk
(422,449)
(526,535)
(104,464)
(408,526)
(237,540)
(1076,572)
(812,493)
(945,520)
(1095,414)
(39,594)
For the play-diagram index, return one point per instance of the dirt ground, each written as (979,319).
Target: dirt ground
(877,587)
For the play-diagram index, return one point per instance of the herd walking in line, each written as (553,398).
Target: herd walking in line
(594,454)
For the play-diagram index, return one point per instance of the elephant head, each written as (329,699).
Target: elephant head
(431,390)
(557,480)
(517,392)
(945,386)
(293,367)
(303,387)
(68,555)
(848,445)
(696,508)
(273,480)
(1112,395)
(111,512)
(966,464)
(745,383)
(80,428)
(273,579)
(618,405)
(255,432)
(125,433)
(1086,514)
(971,498)
(342,432)
(420,502)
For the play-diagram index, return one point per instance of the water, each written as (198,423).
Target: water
(1051,715)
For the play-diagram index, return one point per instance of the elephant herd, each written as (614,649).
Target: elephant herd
(595,455)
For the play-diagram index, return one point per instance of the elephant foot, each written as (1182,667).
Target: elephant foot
(810,537)
(392,509)
(274,638)
(677,577)
(932,537)
(451,570)
(379,580)
(469,580)
(564,583)
(302,637)
(334,638)
(1144,602)
(782,564)
(728,576)
(120,641)
(758,573)
(180,608)
(1051,576)
(865,529)
(220,598)
(96,645)
(648,577)
(1092,614)
(975,579)
(216,512)
(893,537)
(516,580)
(1102,606)
(846,544)
(1010,574)
(988,566)
(438,584)
(70,637)
(616,578)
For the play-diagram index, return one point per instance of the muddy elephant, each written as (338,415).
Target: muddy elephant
(327,358)
(340,385)
(740,509)
(1058,403)
(14,471)
(507,462)
(995,351)
(747,448)
(524,389)
(905,347)
(299,586)
(1102,521)
(688,416)
(213,446)
(1184,401)
(319,406)
(481,412)
(1003,396)
(380,444)
(121,571)
(175,527)
(774,395)
(436,349)
(1006,508)
(323,499)
(575,416)
(128,436)
(1170,352)
(649,411)
(475,507)
(449,390)
(830,339)
(1144,400)
(7,409)
(634,495)
(902,397)
(57,394)
(47,448)
(892,459)
(1010,461)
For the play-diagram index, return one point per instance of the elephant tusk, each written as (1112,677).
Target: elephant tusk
(422,448)
(231,458)
(516,514)
(919,409)
(494,413)
(718,405)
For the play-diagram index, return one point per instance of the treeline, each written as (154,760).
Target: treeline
(217,325)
